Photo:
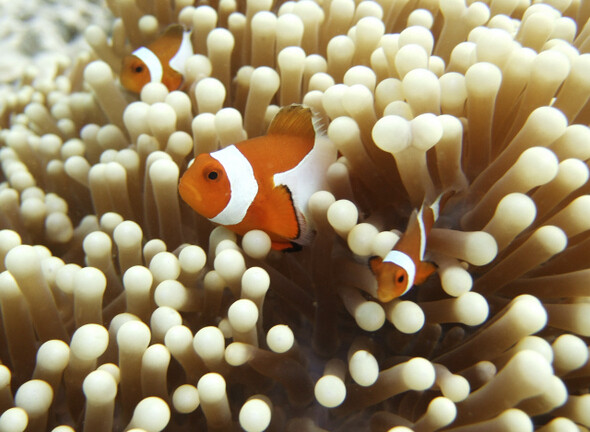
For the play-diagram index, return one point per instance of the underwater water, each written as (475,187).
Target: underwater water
(124,309)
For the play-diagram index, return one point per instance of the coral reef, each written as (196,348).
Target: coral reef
(122,309)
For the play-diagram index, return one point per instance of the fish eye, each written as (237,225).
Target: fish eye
(213,175)
(400,279)
(138,69)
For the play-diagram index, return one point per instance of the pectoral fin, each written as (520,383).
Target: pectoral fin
(424,270)
(281,217)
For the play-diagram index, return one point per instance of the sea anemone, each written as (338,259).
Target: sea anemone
(122,309)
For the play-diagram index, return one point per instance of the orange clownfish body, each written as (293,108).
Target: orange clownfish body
(161,61)
(265,182)
(404,266)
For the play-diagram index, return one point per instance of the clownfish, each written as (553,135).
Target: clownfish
(161,61)
(404,266)
(265,182)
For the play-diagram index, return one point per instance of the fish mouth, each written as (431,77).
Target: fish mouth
(189,193)
(385,297)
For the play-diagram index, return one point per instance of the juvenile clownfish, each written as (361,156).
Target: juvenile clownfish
(265,182)
(404,266)
(161,61)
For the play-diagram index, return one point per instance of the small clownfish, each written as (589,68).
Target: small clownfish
(404,266)
(265,182)
(161,61)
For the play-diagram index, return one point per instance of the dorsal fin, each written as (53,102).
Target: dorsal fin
(167,44)
(429,215)
(174,30)
(293,120)
(443,199)
(411,240)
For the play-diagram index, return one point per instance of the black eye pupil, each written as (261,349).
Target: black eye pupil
(138,69)
(400,278)
(212,175)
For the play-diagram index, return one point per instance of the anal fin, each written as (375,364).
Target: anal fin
(285,246)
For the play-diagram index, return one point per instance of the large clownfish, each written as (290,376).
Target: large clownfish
(161,61)
(404,266)
(265,182)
